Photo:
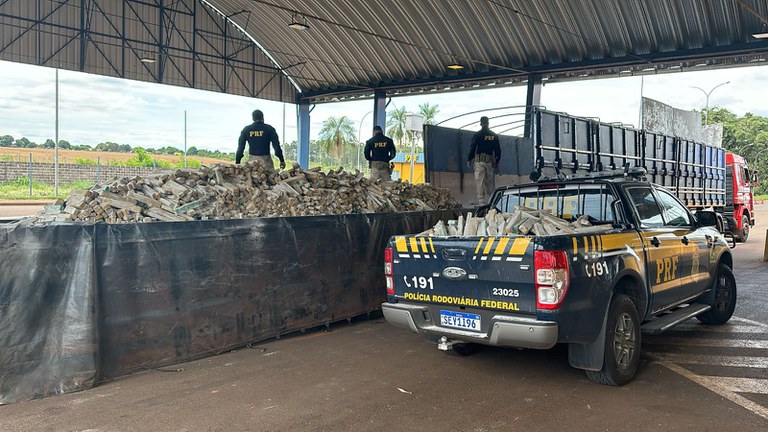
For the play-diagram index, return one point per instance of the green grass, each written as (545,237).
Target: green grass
(19,189)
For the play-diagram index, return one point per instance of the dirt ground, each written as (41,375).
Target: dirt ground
(9,154)
(16,209)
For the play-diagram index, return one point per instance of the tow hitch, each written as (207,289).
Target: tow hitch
(445,344)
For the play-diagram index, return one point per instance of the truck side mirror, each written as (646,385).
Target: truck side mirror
(755,178)
(707,218)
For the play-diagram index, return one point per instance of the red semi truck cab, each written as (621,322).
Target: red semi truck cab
(740,203)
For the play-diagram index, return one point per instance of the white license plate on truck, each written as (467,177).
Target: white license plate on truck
(460,320)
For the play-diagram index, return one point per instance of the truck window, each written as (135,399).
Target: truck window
(566,201)
(645,205)
(675,213)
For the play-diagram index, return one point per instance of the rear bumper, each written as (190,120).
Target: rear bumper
(504,330)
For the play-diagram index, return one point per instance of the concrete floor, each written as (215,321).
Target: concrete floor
(370,376)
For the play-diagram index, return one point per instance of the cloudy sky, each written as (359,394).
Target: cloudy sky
(94,109)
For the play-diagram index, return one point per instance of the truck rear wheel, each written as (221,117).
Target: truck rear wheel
(725,298)
(744,232)
(622,344)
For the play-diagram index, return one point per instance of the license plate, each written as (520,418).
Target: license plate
(460,320)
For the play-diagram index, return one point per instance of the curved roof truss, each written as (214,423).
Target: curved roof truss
(351,48)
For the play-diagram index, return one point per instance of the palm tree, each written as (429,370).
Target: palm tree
(428,112)
(336,133)
(396,128)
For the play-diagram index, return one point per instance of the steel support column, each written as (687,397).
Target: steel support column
(380,109)
(302,148)
(532,100)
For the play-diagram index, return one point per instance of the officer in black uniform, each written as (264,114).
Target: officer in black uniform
(486,153)
(259,135)
(379,150)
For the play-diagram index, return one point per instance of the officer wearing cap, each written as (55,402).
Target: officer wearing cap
(259,135)
(486,153)
(379,150)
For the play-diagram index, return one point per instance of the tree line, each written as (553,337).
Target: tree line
(338,143)
(110,147)
(338,137)
(746,136)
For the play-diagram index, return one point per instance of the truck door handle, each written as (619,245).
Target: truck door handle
(656,242)
(454,254)
(685,240)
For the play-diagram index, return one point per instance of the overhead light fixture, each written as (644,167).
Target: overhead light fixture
(297,24)
(763,34)
(626,71)
(675,67)
(649,69)
(454,65)
(146,58)
(700,64)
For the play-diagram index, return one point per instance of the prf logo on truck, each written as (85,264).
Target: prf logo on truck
(592,262)
(666,269)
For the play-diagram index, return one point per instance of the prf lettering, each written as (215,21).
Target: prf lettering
(666,269)
(256,133)
(381,144)
(490,137)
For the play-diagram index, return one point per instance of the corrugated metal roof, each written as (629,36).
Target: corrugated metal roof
(353,47)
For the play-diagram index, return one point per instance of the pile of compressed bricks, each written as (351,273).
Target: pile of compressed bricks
(523,221)
(226,191)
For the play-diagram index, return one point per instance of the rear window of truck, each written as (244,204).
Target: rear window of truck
(565,201)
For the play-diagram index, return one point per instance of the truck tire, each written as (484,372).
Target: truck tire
(725,298)
(622,344)
(744,232)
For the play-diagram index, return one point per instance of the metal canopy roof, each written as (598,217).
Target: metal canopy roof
(353,47)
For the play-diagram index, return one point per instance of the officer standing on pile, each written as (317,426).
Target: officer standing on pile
(379,150)
(486,153)
(258,135)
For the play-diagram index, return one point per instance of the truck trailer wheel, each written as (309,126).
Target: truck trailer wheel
(622,344)
(744,232)
(725,298)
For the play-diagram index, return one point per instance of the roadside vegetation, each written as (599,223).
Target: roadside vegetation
(340,144)
(19,189)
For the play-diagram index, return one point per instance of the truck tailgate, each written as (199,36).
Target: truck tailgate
(492,273)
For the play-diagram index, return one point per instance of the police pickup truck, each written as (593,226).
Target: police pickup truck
(655,266)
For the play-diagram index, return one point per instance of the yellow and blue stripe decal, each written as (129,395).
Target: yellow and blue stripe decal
(487,248)
(602,242)
(502,248)
(415,247)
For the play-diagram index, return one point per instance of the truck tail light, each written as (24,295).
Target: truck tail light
(388,271)
(551,270)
